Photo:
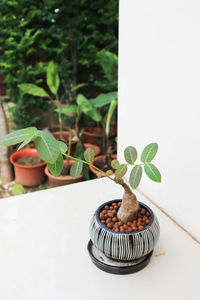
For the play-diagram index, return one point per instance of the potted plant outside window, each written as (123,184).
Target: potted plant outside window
(125,231)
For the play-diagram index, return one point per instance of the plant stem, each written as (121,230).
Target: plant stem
(87,163)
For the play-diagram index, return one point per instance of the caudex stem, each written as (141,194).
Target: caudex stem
(128,210)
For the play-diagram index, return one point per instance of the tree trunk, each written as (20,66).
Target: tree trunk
(129,208)
(5,166)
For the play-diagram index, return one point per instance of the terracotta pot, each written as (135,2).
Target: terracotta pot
(28,175)
(56,134)
(99,162)
(95,148)
(62,180)
(95,135)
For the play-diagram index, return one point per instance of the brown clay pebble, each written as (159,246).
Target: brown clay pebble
(125,226)
(108,220)
(121,229)
(119,204)
(114,219)
(143,211)
(120,223)
(147,214)
(109,225)
(106,207)
(147,221)
(140,227)
(116,207)
(144,218)
(116,229)
(113,204)
(114,211)
(103,221)
(129,223)
(129,229)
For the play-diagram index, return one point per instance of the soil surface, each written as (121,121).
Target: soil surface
(29,160)
(108,217)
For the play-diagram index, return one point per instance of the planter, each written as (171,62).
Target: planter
(95,148)
(56,134)
(99,161)
(62,180)
(128,251)
(27,175)
(95,135)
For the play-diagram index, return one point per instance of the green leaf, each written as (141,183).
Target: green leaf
(135,176)
(47,147)
(103,99)
(99,174)
(67,109)
(76,169)
(87,108)
(17,189)
(109,172)
(62,146)
(121,171)
(115,163)
(79,154)
(17,136)
(152,172)
(27,140)
(32,89)
(149,152)
(53,79)
(130,154)
(78,86)
(111,109)
(89,155)
(57,167)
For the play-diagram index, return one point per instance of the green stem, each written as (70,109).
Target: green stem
(87,163)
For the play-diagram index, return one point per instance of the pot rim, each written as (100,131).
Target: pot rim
(121,233)
(114,156)
(29,151)
(84,131)
(46,170)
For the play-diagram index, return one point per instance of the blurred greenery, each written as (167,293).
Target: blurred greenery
(71,33)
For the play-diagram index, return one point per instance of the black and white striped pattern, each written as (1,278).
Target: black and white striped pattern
(124,246)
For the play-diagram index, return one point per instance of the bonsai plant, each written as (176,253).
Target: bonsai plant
(124,229)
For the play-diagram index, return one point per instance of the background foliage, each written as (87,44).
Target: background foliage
(69,32)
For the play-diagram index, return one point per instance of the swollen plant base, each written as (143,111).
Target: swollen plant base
(109,265)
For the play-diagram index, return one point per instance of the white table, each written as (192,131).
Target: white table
(43,252)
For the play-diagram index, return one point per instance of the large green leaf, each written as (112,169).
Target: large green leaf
(89,155)
(87,108)
(109,64)
(79,154)
(67,109)
(130,154)
(135,177)
(53,79)
(152,172)
(121,171)
(62,146)
(17,136)
(103,99)
(27,140)
(57,167)
(78,86)
(111,109)
(149,152)
(32,89)
(47,147)
(76,169)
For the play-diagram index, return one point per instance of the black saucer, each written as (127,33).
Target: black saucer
(116,267)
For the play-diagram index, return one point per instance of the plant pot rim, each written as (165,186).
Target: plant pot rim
(98,210)
(64,132)
(46,170)
(84,131)
(26,152)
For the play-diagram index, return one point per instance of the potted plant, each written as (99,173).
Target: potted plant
(123,231)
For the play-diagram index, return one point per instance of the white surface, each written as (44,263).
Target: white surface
(43,255)
(159,98)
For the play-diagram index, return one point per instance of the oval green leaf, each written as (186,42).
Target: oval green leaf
(62,146)
(17,136)
(152,172)
(57,167)
(89,155)
(47,147)
(135,177)
(149,152)
(109,172)
(32,89)
(130,154)
(115,164)
(53,79)
(121,171)
(76,169)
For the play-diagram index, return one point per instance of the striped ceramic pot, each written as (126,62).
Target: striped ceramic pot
(124,246)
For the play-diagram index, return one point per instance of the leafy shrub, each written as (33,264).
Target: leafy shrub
(69,32)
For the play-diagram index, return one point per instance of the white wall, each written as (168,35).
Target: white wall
(159,98)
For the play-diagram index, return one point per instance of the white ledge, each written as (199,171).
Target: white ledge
(43,252)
